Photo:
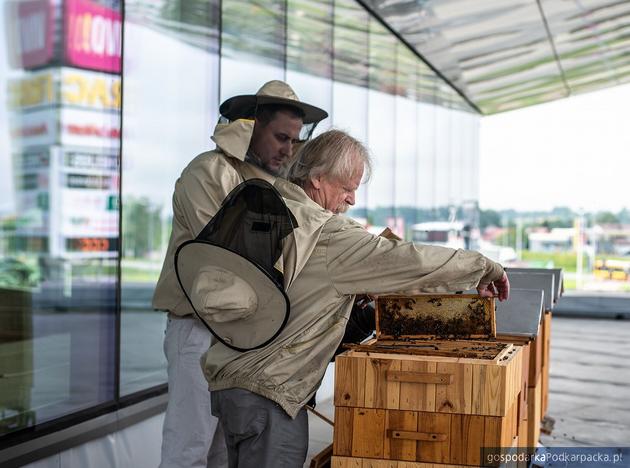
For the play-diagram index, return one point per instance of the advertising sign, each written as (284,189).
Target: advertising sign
(76,88)
(93,36)
(30,26)
(89,128)
(68,127)
(38,128)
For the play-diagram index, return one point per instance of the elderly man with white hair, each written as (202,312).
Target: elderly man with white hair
(259,394)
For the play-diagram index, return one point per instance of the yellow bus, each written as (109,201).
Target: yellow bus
(612,269)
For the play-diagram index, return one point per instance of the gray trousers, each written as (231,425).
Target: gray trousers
(192,437)
(258,433)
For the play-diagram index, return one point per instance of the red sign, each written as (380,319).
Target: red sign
(94,36)
(30,29)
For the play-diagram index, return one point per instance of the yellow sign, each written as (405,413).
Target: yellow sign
(85,91)
(33,91)
(72,87)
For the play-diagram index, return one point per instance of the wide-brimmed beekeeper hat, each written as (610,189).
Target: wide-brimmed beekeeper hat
(229,272)
(272,92)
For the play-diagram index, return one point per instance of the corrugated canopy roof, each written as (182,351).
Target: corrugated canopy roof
(506,54)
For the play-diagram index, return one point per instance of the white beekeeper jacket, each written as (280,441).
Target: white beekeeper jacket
(330,259)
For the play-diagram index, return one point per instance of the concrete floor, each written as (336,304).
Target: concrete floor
(589,387)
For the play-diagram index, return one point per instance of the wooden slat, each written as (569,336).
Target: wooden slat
(415,396)
(368,463)
(420,377)
(458,440)
(397,448)
(488,390)
(410,435)
(436,423)
(534,411)
(368,429)
(467,437)
(522,433)
(509,429)
(514,368)
(456,397)
(546,362)
(475,428)
(342,435)
(350,380)
(346,462)
(506,425)
(393,386)
(535,365)
(492,431)
(524,380)
(376,382)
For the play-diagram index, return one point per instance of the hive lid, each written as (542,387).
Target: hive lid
(442,316)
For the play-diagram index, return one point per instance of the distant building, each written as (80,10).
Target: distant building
(556,240)
(613,239)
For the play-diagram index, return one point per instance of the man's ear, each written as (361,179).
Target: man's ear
(316,182)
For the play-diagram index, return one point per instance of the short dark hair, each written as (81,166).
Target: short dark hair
(266,112)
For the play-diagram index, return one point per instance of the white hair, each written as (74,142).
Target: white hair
(334,154)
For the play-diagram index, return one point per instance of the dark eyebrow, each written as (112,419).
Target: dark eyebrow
(286,135)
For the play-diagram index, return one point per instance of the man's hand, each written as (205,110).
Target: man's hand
(499,288)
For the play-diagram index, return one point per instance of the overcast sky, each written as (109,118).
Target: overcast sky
(573,152)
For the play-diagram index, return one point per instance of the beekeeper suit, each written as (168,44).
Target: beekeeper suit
(189,427)
(259,389)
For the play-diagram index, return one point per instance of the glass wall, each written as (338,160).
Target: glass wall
(381,126)
(60,101)
(84,228)
(406,151)
(168,121)
(309,58)
(350,72)
(253,41)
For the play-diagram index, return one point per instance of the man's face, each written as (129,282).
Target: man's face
(273,143)
(336,195)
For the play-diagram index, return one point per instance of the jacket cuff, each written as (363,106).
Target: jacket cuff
(493,272)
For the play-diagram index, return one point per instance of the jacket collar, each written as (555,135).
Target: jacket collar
(233,138)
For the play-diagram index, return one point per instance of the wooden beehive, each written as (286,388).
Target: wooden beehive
(432,387)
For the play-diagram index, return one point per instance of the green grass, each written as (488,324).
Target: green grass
(565,260)
(139,275)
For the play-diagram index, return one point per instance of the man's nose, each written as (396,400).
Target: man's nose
(287,149)
(350,199)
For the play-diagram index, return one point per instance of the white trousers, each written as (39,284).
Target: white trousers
(191,436)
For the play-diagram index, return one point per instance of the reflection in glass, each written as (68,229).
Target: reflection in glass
(252,45)
(350,95)
(59,192)
(405,141)
(442,196)
(381,132)
(309,53)
(167,123)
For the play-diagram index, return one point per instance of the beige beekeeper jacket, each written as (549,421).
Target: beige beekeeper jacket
(329,260)
(198,195)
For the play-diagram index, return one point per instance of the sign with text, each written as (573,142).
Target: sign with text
(93,36)
(77,88)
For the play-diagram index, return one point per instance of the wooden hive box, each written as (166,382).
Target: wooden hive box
(433,386)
